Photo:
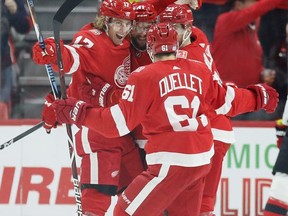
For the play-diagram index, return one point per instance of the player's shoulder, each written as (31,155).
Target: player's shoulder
(91,33)
(199,35)
(191,62)
(195,65)
(145,72)
(142,71)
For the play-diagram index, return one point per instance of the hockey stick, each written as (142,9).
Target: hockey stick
(58,19)
(40,39)
(20,136)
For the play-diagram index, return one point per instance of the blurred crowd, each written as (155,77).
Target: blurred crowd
(15,22)
(242,56)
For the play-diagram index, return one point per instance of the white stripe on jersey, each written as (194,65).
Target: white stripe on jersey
(119,120)
(75,56)
(93,157)
(94,167)
(85,142)
(229,97)
(223,135)
(147,190)
(180,159)
(141,143)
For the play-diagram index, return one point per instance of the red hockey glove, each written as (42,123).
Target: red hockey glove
(48,114)
(280,132)
(48,57)
(97,92)
(267,97)
(71,111)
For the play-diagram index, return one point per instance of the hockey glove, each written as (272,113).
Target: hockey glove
(71,111)
(267,97)
(97,92)
(280,132)
(49,56)
(48,114)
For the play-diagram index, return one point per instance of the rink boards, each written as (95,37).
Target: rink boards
(35,173)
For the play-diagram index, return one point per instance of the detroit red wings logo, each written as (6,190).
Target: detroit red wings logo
(122,73)
(182,54)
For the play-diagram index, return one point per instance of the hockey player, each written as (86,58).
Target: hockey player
(75,62)
(145,16)
(174,117)
(277,203)
(195,45)
(99,49)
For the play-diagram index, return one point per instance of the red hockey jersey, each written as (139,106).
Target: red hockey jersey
(171,98)
(88,54)
(199,50)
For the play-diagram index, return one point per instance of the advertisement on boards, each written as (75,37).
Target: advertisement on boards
(35,173)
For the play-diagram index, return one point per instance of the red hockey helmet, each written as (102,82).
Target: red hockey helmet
(144,12)
(118,9)
(175,13)
(162,38)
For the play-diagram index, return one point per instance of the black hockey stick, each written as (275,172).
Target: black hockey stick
(40,39)
(20,136)
(58,19)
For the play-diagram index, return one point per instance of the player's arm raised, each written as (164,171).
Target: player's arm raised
(232,101)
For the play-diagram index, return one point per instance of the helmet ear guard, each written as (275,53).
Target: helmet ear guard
(162,38)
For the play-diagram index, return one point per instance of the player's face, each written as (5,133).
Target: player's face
(180,31)
(138,34)
(118,30)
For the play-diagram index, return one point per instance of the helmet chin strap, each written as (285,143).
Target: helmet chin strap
(106,25)
(186,36)
(150,55)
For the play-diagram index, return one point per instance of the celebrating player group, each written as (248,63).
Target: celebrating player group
(152,111)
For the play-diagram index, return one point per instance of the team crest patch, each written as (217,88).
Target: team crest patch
(122,73)
(182,54)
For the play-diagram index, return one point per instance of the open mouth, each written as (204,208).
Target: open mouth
(119,36)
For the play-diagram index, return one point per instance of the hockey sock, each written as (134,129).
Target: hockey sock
(95,202)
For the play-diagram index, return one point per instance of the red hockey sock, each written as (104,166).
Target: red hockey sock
(275,207)
(94,202)
(119,211)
